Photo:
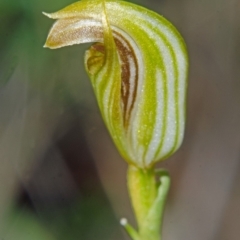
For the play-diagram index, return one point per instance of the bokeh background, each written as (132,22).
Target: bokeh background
(60,174)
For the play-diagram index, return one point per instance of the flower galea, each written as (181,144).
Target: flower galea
(138,69)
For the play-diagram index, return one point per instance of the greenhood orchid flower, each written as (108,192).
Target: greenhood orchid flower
(138,68)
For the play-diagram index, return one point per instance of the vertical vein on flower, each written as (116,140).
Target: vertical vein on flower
(129,69)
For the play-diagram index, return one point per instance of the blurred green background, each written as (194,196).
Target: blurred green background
(60,174)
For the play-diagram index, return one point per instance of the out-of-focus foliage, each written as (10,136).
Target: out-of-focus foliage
(55,154)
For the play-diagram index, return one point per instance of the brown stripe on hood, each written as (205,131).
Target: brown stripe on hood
(126,57)
(126,53)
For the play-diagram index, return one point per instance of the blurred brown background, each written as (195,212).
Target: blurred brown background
(60,174)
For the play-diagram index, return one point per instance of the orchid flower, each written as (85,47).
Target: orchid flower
(138,69)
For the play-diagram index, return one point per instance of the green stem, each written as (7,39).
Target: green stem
(148,200)
(130,230)
(152,228)
(143,191)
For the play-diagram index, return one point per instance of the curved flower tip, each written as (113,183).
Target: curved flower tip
(138,68)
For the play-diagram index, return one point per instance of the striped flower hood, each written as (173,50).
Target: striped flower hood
(138,69)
